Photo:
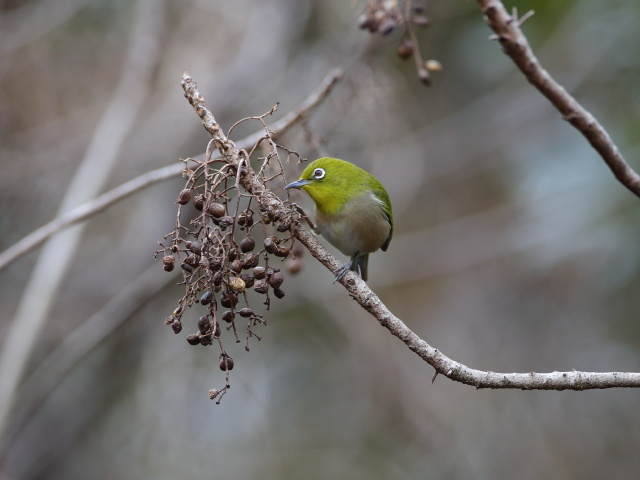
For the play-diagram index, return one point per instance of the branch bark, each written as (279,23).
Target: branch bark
(516,46)
(367,299)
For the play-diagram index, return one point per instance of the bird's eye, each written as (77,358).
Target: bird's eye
(318,173)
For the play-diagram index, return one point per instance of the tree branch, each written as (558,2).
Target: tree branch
(515,45)
(368,300)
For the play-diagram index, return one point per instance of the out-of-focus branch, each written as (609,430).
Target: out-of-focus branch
(515,45)
(107,199)
(368,300)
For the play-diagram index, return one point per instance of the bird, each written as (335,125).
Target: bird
(352,210)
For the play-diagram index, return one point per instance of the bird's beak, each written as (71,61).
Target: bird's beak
(298,183)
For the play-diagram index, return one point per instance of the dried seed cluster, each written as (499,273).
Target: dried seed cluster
(386,16)
(230,250)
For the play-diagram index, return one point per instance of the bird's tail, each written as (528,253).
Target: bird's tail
(360,265)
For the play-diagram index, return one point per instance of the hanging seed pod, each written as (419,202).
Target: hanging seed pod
(294,265)
(246,312)
(217,278)
(168,260)
(284,226)
(198,202)
(176,326)
(195,247)
(247,244)
(250,261)
(216,210)
(206,298)
(236,266)
(204,325)
(232,255)
(169,267)
(184,197)
(278,293)
(265,218)
(237,284)
(229,300)
(261,287)
(215,264)
(271,244)
(213,393)
(405,49)
(228,316)
(169,320)
(186,268)
(276,280)
(206,339)
(259,273)
(192,261)
(226,363)
(245,220)
(247,279)
(225,222)
(193,339)
(282,252)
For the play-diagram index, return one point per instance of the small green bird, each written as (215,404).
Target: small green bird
(353,211)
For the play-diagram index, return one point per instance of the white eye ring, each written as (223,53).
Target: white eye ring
(318,173)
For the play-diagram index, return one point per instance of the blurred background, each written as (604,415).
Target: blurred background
(515,248)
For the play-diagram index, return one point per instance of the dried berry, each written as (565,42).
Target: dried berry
(247,279)
(193,339)
(246,312)
(228,316)
(261,287)
(217,278)
(245,220)
(278,293)
(236,266)
(237,284)
(168,260)
(213,393)
(405,50)
(187,268)
(250,261)
(232,255)
(204,325)
(177,326)
(198,202)
(226,363)
(282,252)
(271,244)
(206,298)
(247,244)
(192,260)
(206,339)
(216,210)
(225,222)
(195,247)
(276,280)
(229,300)
(169,267)
(259,273)
(184,197)
(215,263)
(294,265)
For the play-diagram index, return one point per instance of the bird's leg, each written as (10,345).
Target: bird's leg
(342,271)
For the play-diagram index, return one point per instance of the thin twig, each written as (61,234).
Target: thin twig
(112,197)
(515,45)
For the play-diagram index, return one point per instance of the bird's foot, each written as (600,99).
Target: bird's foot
(342,271)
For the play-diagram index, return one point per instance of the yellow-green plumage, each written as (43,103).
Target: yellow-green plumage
(353,210)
